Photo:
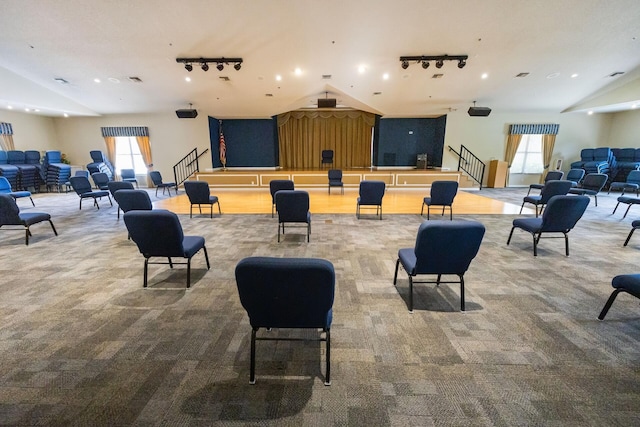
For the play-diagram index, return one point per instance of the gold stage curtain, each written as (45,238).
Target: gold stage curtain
(304,134)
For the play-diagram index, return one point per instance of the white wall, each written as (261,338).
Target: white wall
(486,137)
(625,130)
(30,131)
(171,138)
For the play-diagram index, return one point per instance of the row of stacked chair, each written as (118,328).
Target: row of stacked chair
(627,159)
(21,168)
(615,162)
(101,164)
(56,174)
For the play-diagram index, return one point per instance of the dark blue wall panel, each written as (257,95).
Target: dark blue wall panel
(250,142)
(401,140)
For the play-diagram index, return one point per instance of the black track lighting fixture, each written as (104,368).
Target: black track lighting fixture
(438,59)
(204,63)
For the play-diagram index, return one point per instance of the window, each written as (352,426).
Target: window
(528,158)
(128,155)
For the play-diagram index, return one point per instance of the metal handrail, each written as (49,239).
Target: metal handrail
(187,166)
(470,163)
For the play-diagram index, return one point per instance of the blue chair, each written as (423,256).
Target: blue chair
(287,293)
(115,186)
(635,224)
(83,189)
(132,200)
(101,180)
(560,216)
(277,185)
(158,233)
(327,158)
(550,176)
(550,189)
(5,188)
(629,283)
(335,180)
(77,173)
(129,175)
(198,194)
(630,201)
(156,178)
(441,248)
(632,183)
(591,185)
(10,215)
(442,194)
(293,207)
(371,194)
(575,176)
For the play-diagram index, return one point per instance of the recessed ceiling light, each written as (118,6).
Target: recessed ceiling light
(37,110)
(574,75)
(298,72)
(278,77)
(27,110)
(9,107)
(385,76)
(634,106)
(187,79)
(362,69)
(484,76)
(113,80)
(553,75)
(590,113)
(66,115)
(96,80)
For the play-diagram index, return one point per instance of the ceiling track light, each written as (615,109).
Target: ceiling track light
(204,63)
(439,60)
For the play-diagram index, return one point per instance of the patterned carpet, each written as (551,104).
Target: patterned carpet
(83,344)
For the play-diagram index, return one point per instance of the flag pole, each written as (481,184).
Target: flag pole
(222,147)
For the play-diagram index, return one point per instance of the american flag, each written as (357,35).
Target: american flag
(223,149)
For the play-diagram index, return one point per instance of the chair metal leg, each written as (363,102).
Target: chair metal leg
(410,294)
(188,273)
(629,237)
(510,234)
(219,209)
(461,292)
(595,196)
(626,212)
(609,302)
(146,268)
(53,228)
(422,209)
(170,262)
(521,207)
(190,211)
(395,275)
(206,257)
(614,209)
(110,202)
(252,363)
(535,244)
(26,237)
(34,205)
(327,376)
(566,244)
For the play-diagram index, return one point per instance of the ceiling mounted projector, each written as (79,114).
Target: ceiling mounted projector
(327,103)
(187,113)
(479,111)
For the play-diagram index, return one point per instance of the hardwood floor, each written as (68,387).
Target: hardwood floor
(396,201)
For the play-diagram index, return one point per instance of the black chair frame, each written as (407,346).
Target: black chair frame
(171,264)
(438,281)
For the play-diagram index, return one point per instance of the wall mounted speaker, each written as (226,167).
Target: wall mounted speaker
(479,111)
(327,103)
(187,114)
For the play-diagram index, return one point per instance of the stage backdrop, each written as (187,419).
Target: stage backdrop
(401,140)
(249,142)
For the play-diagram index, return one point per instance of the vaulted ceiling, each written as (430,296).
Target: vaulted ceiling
(577,55)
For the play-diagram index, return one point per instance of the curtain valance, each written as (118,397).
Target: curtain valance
(368,118)
(125,131)
(534,129)
(6,129)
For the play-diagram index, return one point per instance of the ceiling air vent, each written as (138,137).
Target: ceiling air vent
(326,77)
(616,73)
(225,78)
(522,75)
(61,81)
(135,79)
(437,76)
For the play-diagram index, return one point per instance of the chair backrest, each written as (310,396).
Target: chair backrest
(3,158)
(197,191)
(82,173)
(156,232)
(279,184)
(327,156)
(563,212)
(130,200)
(128,174)
(586,154)
(156,177)
(100,179)
(5,185)
(286,292)
(447,247)
(443,192)
(32,157)
(118,185)
(371,192)
(594,181)
(9,211)
(15,157)
(633,177)
(602,154)
(292,205)
(554,188)
(553,175)
(80,184)
(335,175)
(575,175)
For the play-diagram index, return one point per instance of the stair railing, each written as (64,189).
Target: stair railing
(187,166)
(470,163)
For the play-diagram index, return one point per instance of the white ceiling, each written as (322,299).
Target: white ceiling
(79,40)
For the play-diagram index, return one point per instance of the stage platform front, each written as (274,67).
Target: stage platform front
(249,178)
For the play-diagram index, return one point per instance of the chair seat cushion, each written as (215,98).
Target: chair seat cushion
(30,218)
(18,194)
(636,223)
(624,185)
(531,225)
(94,194)
(628,282)
(407,257)
(537,186)
(213,199)
(167,184)
(629,200)
(533,199)
(336,183)
(191,245)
